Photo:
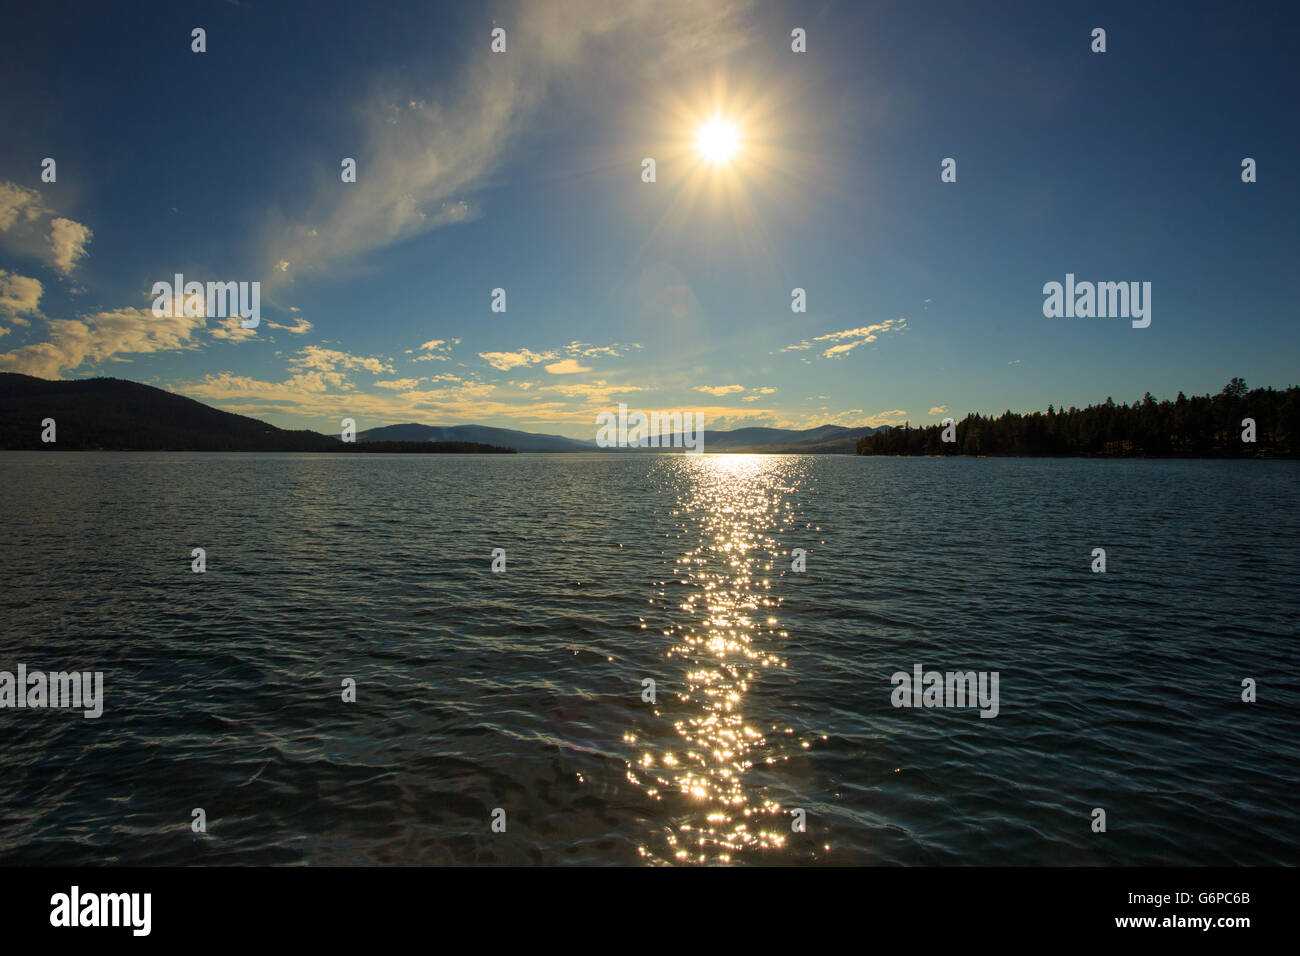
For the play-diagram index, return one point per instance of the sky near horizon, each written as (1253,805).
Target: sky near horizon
(523,171)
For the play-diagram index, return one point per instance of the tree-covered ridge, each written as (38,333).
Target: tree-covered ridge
(114,414)
(1203,426)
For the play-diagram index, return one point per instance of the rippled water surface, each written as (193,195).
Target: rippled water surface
(525,690)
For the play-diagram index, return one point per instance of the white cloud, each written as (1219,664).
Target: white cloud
(100,337)
(399,384)
(300,327)
(896,416)
(719,390)
(850,339)
(19,295)
(31,228)
(586,350)
(18,203)
(331,360)
(566,366)
(505,361)
(68,242)
(599,391)
(232,330)
(435,350)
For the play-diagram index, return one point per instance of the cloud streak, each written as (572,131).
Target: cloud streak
(421,156)
(849,339)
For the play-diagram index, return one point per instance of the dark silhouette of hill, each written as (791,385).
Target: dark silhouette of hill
(120,415)
(479,434)
(114,414)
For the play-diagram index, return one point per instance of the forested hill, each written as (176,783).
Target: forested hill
(1203,426)
(116,415)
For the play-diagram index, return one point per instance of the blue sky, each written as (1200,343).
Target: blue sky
(522,171)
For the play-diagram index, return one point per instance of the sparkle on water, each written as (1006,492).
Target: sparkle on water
(724,580)
(773,686)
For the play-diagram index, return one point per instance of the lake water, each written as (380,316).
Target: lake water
(523,690)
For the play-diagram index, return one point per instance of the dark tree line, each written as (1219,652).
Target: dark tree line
(1203,426)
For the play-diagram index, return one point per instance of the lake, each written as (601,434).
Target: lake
(524,691)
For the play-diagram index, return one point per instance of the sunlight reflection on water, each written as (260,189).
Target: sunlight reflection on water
(729,507)
(523,690)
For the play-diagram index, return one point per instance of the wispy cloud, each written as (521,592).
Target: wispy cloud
(505,361)
(519,358)
(300,327)
(586,350)
(434,350)
(422,154)
(599,392)
(850,339)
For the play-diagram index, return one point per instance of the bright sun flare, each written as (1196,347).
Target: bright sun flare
(718,140)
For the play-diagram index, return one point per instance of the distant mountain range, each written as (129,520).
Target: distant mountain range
(115,414)
(520,441)
(825,439)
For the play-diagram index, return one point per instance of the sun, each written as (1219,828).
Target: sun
(718,140)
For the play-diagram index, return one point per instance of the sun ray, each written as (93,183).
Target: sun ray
(728,155)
